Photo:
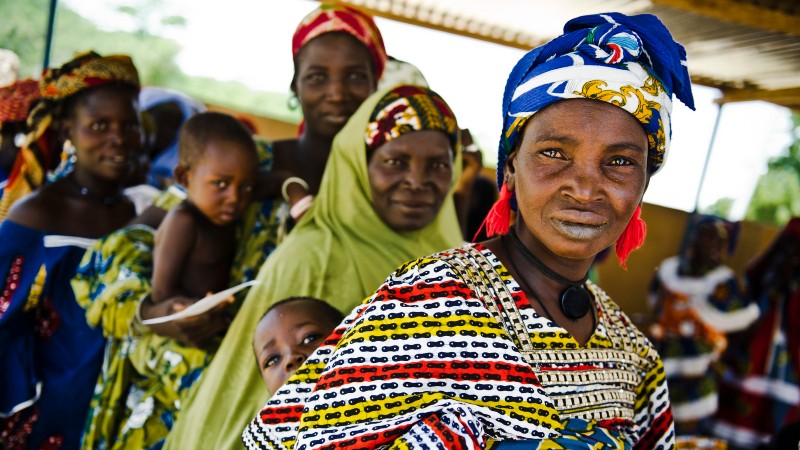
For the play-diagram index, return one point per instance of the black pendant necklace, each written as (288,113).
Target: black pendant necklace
(575,300)
(108,200)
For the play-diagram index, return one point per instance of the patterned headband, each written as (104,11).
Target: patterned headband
(409,108)
(331,17)
(628,61)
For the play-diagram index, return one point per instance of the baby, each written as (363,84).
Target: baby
(195,244)
(288,334)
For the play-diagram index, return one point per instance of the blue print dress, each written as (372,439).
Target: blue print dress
(50,357)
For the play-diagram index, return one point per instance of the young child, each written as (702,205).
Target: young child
(288,333)
(195,244)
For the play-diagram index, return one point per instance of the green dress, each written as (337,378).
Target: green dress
(340,252)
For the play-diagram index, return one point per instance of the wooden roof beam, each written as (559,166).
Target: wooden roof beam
(739,12)
(789,98)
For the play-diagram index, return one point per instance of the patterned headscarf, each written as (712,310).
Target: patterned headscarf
(86,70)
(628,61)
(16,100)
(339,17)
(409,108)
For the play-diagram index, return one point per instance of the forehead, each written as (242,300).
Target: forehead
(221,153)
(104,99)
(333,47)
(571,115)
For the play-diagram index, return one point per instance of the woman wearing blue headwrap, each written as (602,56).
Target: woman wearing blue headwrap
(505,343)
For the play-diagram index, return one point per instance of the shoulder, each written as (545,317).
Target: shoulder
(40,209)
(182,215)
(180,221)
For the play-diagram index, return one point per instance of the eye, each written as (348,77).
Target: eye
(552,153)
(100,125)
(314,77)
(247,188)
(393,162)
(220,184)
(311,338)
(271,360)
(620,161)
(132,126)
(440,166)
(358,76)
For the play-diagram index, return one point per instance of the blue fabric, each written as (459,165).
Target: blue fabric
(590,45)
(64,356)
(150,96)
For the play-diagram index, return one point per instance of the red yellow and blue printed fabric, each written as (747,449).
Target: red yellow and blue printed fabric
(405,109)
(628,61)
(428,362)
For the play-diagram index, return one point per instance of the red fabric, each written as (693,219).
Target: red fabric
(339,17)
(632,238)
(16,100)
(498,220)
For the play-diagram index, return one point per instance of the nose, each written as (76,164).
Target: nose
(117,135)
(232,195)
(337,89)
(583,183)
(416,177)
(294,361)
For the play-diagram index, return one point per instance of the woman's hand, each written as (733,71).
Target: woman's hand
(196,331)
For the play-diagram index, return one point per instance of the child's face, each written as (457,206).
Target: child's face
(220,183)
(285,338)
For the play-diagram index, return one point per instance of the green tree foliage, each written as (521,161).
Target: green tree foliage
(721,207)
(24,28)
(777,195)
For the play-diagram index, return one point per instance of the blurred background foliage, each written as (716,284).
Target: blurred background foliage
(24,28)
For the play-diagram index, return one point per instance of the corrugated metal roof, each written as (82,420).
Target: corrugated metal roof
(750,49)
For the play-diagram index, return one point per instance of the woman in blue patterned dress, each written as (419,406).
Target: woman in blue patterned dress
(50,356)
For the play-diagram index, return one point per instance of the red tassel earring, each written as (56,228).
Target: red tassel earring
(632,238)
(498,220)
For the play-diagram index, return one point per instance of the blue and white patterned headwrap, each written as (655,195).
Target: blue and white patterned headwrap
(628,61)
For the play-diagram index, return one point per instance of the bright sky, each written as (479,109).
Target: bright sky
(255,48)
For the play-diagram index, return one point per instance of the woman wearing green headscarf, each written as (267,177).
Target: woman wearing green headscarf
(382,201)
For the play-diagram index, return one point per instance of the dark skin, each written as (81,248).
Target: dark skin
(578,174)
(333,76)
(103,124)
(196,243)
(206,252)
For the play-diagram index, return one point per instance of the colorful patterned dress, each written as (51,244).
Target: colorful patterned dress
(450,353)
(691,346)
(49,356)
(760,389)
(145,377)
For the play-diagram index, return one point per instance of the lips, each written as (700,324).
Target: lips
(116,160)
(579,224)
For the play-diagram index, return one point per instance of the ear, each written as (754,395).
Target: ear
(510,171)
(181,174)
(65,130)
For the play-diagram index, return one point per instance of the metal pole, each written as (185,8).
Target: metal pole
(48,43)
(708,157)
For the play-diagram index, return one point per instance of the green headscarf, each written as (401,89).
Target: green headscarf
(340,252)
